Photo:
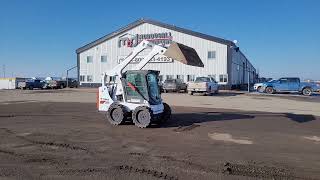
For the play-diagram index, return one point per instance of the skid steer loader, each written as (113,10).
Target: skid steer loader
(134,94)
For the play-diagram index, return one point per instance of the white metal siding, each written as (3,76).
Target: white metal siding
(110,48)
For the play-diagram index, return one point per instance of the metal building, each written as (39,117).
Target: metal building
(222,59)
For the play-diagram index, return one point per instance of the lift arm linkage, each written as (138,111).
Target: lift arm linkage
(156,49)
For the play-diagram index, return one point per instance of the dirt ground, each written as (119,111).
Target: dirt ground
(69,140)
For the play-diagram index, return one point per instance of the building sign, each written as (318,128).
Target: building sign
(155,59)
(129,40)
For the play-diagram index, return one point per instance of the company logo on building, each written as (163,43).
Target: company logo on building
(129,40)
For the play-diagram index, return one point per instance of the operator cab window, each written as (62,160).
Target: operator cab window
(138,81)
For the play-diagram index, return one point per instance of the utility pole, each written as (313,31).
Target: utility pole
(4,70)
(248,80)
(68,74)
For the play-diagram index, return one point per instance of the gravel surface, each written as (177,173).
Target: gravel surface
(47,135)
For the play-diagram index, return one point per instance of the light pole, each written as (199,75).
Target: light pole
(68,74)
(248,80)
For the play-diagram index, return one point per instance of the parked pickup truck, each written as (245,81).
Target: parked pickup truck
(289,84)
(205,85)
(55,83)
(258,86)
(31,84)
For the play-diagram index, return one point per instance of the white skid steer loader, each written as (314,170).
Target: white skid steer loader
(135,94)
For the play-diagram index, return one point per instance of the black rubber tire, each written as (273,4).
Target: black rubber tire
(116,114)
(307,91)
(166,115)
(259,89)
(142,116)
(30,87)
(270,90)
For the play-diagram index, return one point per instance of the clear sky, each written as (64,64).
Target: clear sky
(280,37)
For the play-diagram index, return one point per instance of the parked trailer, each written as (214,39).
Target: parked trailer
(10,83)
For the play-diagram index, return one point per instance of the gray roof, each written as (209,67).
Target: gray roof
(156,23)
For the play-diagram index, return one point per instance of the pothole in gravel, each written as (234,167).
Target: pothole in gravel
(228,138)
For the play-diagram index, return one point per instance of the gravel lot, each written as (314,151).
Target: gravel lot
(60,135)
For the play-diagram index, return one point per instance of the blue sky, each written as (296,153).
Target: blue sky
(280,37)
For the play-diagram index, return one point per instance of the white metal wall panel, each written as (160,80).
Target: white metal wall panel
(110,48)
(7,83)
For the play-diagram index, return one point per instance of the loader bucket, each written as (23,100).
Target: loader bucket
(184,54)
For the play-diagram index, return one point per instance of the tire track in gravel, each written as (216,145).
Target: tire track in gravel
(246,170)
(39,115)
(121,168)
(59,145)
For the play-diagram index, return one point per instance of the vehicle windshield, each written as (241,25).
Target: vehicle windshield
(202,79)
(272,81)
(137,89)
(153,88)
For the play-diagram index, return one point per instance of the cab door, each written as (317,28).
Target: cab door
(294,84)
(282,85)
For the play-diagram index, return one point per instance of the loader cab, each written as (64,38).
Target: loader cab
(141,86)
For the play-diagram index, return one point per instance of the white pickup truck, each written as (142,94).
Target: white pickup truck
(203,85)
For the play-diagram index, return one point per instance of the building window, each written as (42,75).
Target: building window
(82,78)
(180,77)
(169,76)
(89,78)
(104,59)
(213,76)
(211,54)
(191,77)
(89,59)
(223,78)
(238,67)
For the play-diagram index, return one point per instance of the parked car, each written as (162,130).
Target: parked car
(31,84)
(205,85)
(318,87)
(289,84)
(72,83)
(160,86)
(258,86)
(55,83)
(175,85)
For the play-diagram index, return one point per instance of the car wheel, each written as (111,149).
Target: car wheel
(307,91)
(190,92)
(270,90)
(31,88)
(259,89)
